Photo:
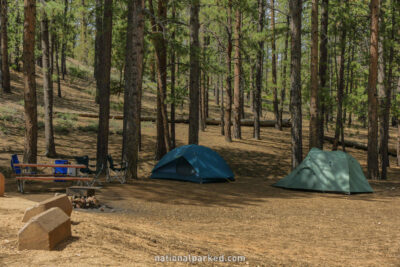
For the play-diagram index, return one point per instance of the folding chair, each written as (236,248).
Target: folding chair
(18,171)
(114,173)
(87,171)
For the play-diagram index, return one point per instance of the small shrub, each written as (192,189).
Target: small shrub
(64,126)
(78,73)
(92,127)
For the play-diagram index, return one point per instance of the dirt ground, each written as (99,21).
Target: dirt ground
(269,226)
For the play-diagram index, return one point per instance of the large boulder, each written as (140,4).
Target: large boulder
(60,201)
(45,230)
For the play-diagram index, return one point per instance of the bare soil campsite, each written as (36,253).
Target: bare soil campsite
(147,218)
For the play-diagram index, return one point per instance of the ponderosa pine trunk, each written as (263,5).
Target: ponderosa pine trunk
(57,50)
(173,81)
(64,41)
(17,55)
(284,71)
(386,96)
(237,133)
(340,89)
(295,8)
(275,101)
(259,71)
(5,68)
(203,88)
(133,81)
(194,82)
(228,85)
(373,165)
(30,101)
(314,99)
(160,44)
(103,85)
(47,85)
(97,43)
(323,67)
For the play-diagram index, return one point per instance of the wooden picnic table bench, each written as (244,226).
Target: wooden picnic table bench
(46,177)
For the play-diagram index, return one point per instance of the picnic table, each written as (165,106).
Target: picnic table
(25,176)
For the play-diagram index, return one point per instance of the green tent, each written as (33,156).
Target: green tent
(327,171)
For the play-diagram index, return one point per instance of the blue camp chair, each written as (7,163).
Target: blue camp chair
(14,160)
(18,171)
(58,171)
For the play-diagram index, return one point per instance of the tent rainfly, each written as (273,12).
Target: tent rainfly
(327,171)
(193,163)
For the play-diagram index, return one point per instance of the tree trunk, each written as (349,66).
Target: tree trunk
(64,41)
(160,44)
(339,113)
(4,49)
(203,88)
(31,127)
(57,48)
(274,72)
(386,96)
(295,8)
(284,76)
(237,74)
(228,88)
(97,43)
(222,107)
(103,85)
(194,73)
(373,166)
(314,91)
(259,71)
(398,128)
(17,56)
(133,81)
(173,71)
(47,85)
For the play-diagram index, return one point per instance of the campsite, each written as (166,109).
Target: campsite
(201,132)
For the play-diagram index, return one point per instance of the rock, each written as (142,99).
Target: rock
(45,231)
(60,201)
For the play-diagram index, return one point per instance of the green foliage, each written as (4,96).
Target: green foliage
(92,127)
(78,73)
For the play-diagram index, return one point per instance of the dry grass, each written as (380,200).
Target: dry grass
(270,226)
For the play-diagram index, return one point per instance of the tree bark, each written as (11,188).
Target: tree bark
(386,94)
(237,133)
(17,56)
(4,49)
(133,81)
(203,88)
(339,113)
(259,71)
(104,87)
(194,73)
(228,85)
(274,72)
(97,43)
(284,76)
(64,41)
(373,166)
(47,85)
(57,48)
(173,81)
(314,91)
(31,127)
(295,7)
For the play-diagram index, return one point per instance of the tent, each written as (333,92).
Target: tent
(327,171)
(193,163)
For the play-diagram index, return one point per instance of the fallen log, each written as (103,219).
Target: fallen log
(356,145)
(209,121)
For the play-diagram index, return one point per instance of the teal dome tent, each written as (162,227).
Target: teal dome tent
(327,171)
(193,163)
